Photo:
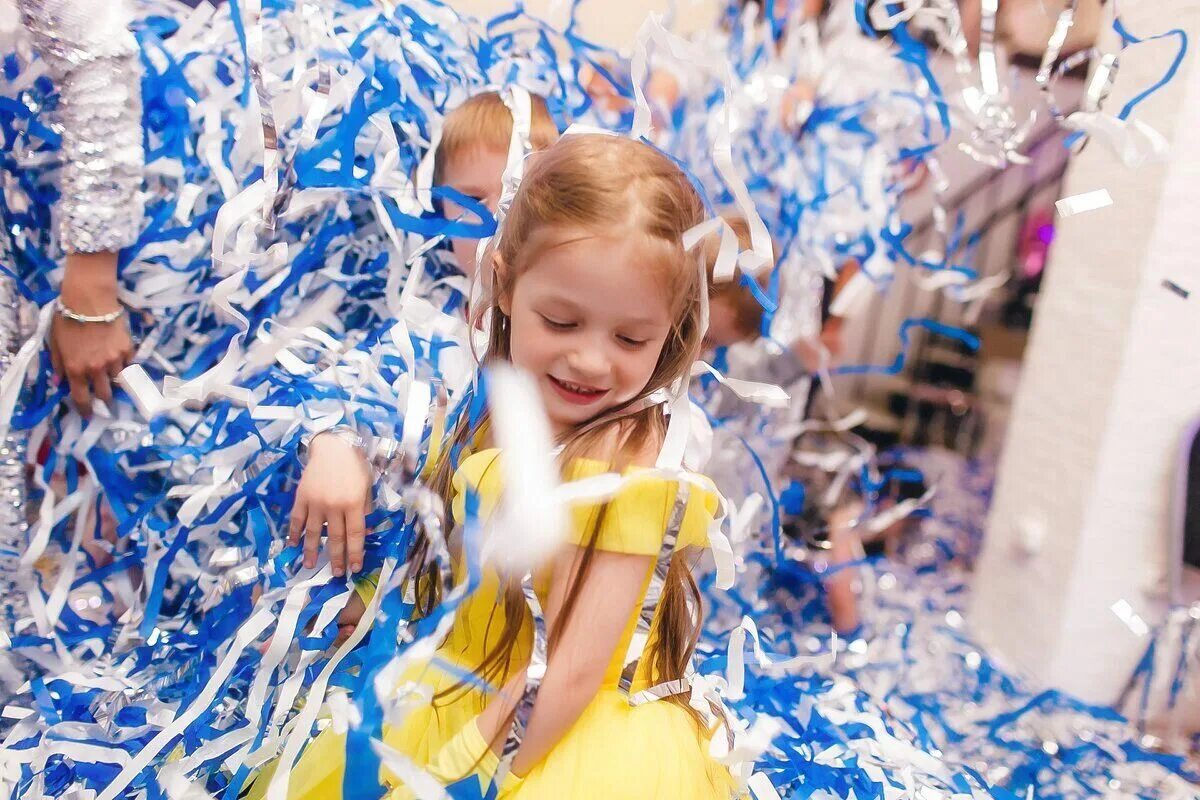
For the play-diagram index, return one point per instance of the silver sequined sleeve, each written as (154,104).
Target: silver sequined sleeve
(92,57)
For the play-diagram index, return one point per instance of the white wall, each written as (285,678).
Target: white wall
(610,22)
(1111,378)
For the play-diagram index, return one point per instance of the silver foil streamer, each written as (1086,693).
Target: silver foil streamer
(1051,68)
(989,69)
(13,521)
(92,58)
(641,635)
(533,681)
(272,155)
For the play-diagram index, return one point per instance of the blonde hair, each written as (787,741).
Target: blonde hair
(747,311)
(598,183)
(483,121)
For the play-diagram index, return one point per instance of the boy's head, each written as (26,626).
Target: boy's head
(473,152)
(734,313)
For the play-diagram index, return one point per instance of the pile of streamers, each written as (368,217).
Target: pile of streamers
(911,687)
(290,277)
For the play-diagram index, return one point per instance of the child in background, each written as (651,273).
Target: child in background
(470,159)
(733,345)
(839,514)
(734,313)
(473,152)
(733,341)
(596,299)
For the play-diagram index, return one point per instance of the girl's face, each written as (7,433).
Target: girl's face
(589,316)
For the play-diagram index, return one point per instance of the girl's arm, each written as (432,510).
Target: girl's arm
(583,650)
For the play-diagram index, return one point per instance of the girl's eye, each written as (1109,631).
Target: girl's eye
(631,342)
(555,325)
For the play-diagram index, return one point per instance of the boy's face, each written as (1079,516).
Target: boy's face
(477,173)
(723,329)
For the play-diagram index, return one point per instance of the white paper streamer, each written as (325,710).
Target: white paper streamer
(1082,203)
(529,519)
(765,394)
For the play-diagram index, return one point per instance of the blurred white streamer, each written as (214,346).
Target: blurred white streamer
(530,521)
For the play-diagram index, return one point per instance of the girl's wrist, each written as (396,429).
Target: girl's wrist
(346,435)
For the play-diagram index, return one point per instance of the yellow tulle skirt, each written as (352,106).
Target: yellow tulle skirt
(614,751)
(619,752)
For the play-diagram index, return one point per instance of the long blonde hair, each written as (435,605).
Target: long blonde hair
(604,184)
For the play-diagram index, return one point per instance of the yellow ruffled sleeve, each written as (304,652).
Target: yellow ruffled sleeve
(481,472)
(635,521)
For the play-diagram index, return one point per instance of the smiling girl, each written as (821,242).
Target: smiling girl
(595,298)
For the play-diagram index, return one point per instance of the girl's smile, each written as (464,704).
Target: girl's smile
(589,317)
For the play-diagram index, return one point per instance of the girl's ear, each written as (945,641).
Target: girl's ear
(503,285)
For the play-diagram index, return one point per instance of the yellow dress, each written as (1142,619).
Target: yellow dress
(614,750)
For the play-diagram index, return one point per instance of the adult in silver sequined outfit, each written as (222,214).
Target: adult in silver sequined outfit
(92,58)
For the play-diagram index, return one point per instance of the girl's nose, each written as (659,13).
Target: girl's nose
(588,363)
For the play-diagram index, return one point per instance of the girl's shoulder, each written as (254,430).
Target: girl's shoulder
(619,443)
(641,506)
(478,469)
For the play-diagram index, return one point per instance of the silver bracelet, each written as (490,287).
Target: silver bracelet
(379,451)
(75,316)
(344,432)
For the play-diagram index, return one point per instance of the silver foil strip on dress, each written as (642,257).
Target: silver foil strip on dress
(650,601)
(534,674)
(92,59)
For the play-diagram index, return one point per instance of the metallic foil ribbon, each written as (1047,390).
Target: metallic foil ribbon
(272,157)
(14,523)
(641,636)
(1051,68)
(533,681)
(92,58)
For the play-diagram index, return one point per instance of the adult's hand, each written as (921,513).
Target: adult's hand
(89,355)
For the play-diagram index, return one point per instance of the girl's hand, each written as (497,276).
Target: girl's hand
(90,355)
(334,495)
(348,620)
